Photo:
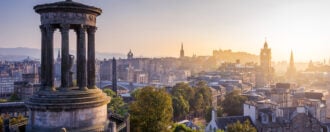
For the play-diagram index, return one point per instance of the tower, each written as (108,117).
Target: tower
(130,55)
(114,75)
(181,51)
(264,75)
(57,66)
(291,72)
(75,108)
(58,59)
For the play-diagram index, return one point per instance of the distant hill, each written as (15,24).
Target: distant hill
(20,53)
(230,56)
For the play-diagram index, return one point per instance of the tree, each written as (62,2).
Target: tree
(239,127)
(233,104)
(181,128)
(180,107)
(183,89)
(109,92)
(208,115)
(14,97)
(117,104)
(1,123)
(182,95)
(151,111)
(202,99)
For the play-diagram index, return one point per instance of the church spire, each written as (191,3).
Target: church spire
(181,51)
(291,72)
(291,59)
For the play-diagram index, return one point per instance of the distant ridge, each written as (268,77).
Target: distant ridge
(21,53)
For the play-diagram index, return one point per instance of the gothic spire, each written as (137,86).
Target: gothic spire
(291,59)
(181,51)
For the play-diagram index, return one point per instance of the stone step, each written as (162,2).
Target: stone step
(67,98)
(76,105)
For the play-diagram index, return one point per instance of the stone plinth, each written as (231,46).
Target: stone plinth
(74,110)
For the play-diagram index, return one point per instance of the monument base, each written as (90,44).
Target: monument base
(74,110)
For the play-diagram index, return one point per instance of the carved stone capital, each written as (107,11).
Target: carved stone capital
(64,28)
(42,28)
(81,29)
(49,29)
(91,29)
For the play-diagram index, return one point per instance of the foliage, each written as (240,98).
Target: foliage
(117,104)
(14,97)
(187,100)
(233,103)
(3,101)
(1,123)
(181,128)
(180,107)
(20,118)
(151,111)
(203,98)
(181,96)
(239,127)
(109,92)
(184,90)
(208,115)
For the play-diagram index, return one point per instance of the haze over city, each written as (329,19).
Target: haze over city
(157,28)
(164,66)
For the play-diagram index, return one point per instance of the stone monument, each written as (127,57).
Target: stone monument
(73,108)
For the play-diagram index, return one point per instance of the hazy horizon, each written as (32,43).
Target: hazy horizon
(157,28)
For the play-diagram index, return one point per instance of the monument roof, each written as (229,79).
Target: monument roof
(67,6)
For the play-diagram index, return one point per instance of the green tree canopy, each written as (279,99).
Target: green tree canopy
(239,127)
(14,97)
(202,99)
(233,103)
(180,107)
(117,104)
(208,115)
(183,89)
(1,123)
(181,128)
(151,111)
(181,93)
(109,92)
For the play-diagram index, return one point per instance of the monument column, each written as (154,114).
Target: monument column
(49,72)
(43,57)
(65,69)
(91,57)
(81,58)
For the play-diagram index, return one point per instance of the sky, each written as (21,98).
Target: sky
(156,28)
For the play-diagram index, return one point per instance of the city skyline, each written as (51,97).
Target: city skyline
(157,28)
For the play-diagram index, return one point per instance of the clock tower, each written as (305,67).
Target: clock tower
(265,71)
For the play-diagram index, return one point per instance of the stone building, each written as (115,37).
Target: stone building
(27,87)
(221,123)
(75,108)
(281,94)
(265,71)
(130,55)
